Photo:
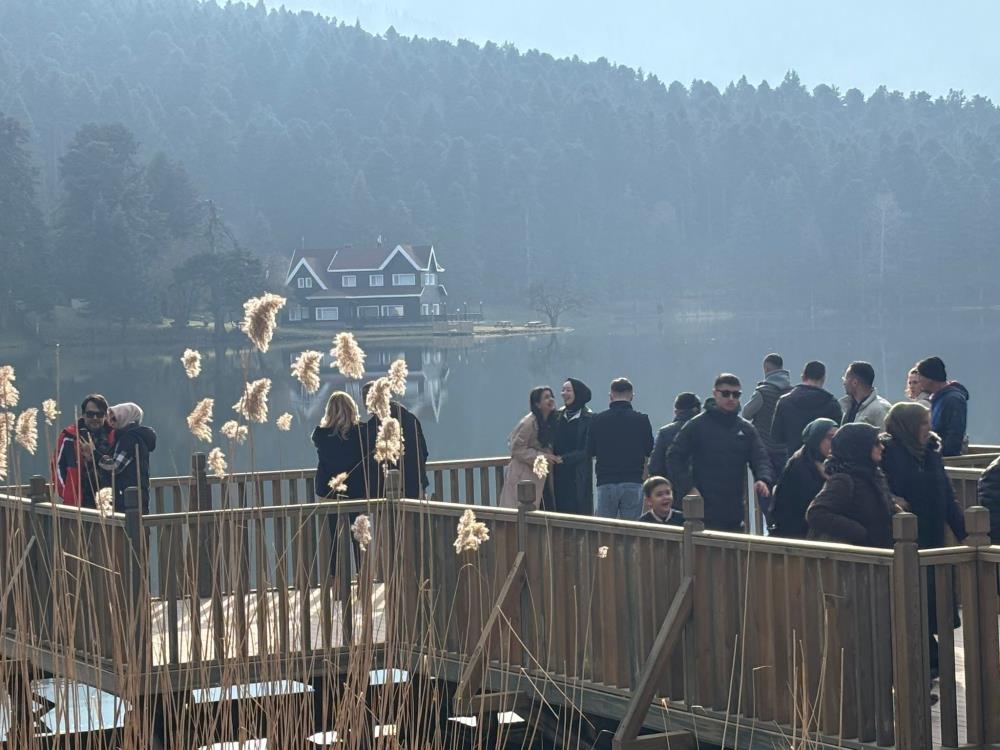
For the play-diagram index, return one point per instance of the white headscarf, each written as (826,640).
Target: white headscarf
(126,414)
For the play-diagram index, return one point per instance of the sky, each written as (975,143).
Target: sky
(909,45)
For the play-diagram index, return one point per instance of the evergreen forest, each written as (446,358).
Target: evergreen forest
(180,149)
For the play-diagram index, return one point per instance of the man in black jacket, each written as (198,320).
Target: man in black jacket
(989,497)
(413,463)
(621,439)
(712,453)
(804,403)
(686,405)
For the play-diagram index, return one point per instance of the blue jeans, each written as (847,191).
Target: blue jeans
(622,500)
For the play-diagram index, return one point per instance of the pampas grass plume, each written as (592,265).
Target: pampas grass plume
(253,402)
(306,369)
(398,372)
(192,362)
(26,430)
(9,395)
(234,431)
(217,462)
(348,357)
(284,422)
(51,410)
(200,419)
(260,318)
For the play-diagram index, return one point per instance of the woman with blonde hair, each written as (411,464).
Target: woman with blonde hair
(341,448)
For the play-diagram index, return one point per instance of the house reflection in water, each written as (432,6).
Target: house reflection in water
(425,385)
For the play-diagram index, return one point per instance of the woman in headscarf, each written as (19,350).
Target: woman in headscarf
(129,460)
(913,466)
(532,437)
(801,480)
(573,479)
(854,506)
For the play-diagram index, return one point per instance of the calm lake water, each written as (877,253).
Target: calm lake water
(469,394)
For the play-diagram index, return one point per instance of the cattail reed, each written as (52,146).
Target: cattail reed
(260,318)
(305,369)
(253,402)
(234,431)
(26,430)
(9,395)
(192,362)
(200,420)
(389,441)
(378,399)
(348,357)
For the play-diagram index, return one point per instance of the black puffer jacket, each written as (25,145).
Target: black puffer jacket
(712,453)
(925,487)
(414,461)
(665,437)
(799,483)
(338,455)
(796,409)
(989,496)
(573,479)
(133,444)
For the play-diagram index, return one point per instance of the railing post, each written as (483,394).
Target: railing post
(694,523)
(136,606)
(525,505)
(42,559)
(980,632)
(200,498)
(910,668)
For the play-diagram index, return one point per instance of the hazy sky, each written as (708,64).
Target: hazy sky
(905,44)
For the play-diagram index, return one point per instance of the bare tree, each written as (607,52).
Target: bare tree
(552,299)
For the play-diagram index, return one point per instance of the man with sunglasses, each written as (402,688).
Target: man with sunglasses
(712,453)
(76,467)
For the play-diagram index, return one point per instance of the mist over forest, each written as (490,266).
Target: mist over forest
(123,117)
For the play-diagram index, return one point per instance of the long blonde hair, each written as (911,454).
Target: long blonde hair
(341,413)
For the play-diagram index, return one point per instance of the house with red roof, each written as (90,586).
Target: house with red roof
(358,285)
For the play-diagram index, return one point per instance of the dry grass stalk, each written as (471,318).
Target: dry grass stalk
(541,467)
(200,420)
(398,372)
(7,421)
(253,402)
(284,422)
(9,395)
(191,360)
(379,398)
(104,500)
(216,461)
(471,533)
(51,410)
(361,529)
(305,369)
(260,318)
(347,356)
(26,430)
(389,441)
(234,431)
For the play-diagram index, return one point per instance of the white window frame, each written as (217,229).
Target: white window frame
(430,279)
(305,282)
(376,279)
(436,308)
(425,309)
(398,279)
(400,311)
(298,312)
(367,307)
(327,313)
(348,280)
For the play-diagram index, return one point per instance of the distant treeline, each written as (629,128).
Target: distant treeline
(518,164)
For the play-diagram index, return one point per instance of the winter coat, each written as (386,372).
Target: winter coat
(989,497)
(621,440)
(872,410)
(524,449)
(760,411)
(712,453)
(665,437)
(414,459)
(949,409)
(573,479)
(799,483)
(852,510)
(78,485)
(338,455)
(129,465)
(926,488)
(796,409)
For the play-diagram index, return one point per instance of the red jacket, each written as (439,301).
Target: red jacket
(69,483)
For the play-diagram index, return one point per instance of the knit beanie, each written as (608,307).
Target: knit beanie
(686,401)
(932,368)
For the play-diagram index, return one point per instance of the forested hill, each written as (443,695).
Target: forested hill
(521,165)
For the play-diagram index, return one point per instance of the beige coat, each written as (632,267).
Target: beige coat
(524,449)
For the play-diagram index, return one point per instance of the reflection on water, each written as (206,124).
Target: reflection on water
(469,394)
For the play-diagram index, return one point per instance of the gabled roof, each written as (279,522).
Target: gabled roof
(325,264)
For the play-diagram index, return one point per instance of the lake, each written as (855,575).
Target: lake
(469,393)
